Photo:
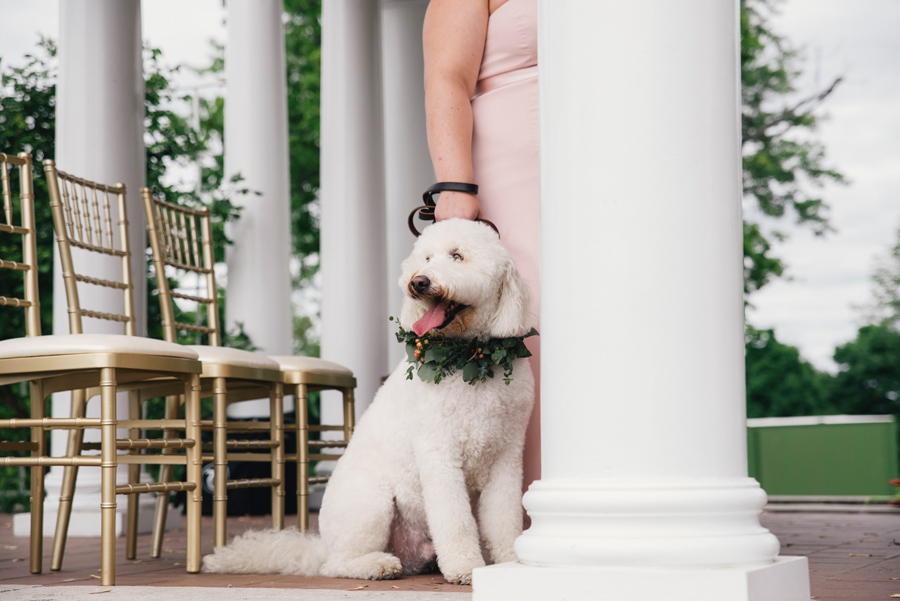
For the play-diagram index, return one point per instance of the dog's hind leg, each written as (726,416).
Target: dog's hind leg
(377,565)
(355,523)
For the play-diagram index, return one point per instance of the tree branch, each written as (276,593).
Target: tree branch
(793,112)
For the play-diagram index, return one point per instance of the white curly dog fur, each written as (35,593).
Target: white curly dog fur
(433,471)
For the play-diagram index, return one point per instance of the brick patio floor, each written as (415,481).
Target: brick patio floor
(852,556)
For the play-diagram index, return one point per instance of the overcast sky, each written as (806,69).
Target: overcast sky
(858,40)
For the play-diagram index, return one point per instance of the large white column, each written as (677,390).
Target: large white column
(258,291)
(99,136)
(407,163)
(645,489)
(354,288)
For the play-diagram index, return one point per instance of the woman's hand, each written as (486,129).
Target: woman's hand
(457,204)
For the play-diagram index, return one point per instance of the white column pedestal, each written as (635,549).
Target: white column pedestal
(782,579)
(648,521)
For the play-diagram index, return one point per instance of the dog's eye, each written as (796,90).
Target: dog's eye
(427,259)
(457,257)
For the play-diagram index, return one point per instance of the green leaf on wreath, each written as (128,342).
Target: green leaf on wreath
(427,372)
(470,371)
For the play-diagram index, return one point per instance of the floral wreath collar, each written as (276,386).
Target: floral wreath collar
(434,357)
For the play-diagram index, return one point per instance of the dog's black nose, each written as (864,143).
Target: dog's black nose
(420,284)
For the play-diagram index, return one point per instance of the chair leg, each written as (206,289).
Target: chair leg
(37,480)
(276,421)
(220,462)
(301,410)
(194,467)
(349,414)
(134,477)
(165,475)
(108,476)
(70,475)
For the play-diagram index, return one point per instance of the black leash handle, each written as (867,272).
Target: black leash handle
(426,212)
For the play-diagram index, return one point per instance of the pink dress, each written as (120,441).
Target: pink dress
(505,160)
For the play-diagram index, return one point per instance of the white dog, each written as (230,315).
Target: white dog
(433,470)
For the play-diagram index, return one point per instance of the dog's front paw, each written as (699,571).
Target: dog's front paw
(460,572)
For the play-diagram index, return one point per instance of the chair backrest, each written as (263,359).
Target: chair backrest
(88,222)
(181,241)
(21,224)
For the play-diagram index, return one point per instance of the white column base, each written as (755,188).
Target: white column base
(646,521)
(784,579)
(85,523)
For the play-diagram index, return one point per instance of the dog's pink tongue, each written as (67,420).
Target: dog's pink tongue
(432,319)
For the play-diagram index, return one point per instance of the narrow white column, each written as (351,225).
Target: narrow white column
(258,290)
(407,163)
(99,136)
(645,489)
(354,288)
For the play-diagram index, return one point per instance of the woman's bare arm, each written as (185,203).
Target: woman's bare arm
(453,40)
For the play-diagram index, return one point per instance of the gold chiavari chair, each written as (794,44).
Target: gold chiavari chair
(181,243)
(300,375)
(99,363)
(87,222)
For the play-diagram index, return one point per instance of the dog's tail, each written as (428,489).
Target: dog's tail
(269,552)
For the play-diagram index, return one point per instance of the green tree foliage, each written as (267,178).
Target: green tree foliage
(885,306)
(779,382)
(303,46)
(869,376)
(782,163)
(27,124)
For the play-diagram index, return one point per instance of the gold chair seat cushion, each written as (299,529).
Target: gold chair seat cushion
(309,364)
(70,344)
(224,355)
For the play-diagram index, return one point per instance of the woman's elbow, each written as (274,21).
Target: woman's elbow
(442,85)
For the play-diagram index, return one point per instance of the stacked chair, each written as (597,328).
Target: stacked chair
(92,364)
(181,242)
(83,219)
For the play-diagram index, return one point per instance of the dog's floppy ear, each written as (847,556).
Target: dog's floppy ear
(513,315)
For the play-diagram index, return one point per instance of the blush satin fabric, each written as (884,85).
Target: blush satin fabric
(505,160)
